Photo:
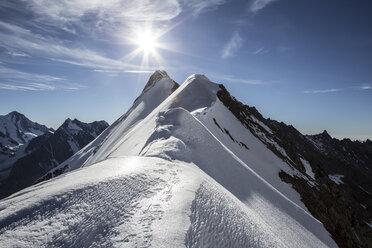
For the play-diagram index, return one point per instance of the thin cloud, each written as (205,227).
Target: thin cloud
(365,87)
(107,11)
(260,51)
(30,43)
(125,71)
(232,79)
(18,54)
(6,72)
(321,91)
(139,71)
(11,79)
(232,46)
(257,5)
(24,87)
(198,6)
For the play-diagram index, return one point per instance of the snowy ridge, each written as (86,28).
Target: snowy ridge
(178,169)
(102,146)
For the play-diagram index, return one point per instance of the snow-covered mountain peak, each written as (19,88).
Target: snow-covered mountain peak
(19,128)
(69,124)
(197,78)
(15,114)
(74,126)
(16,131)
(195,93)
(155,78)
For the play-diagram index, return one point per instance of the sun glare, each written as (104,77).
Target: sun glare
(146,42)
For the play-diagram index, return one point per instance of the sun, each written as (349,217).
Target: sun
(146,42)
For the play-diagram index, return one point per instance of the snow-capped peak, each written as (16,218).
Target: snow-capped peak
(197,78)
(16,131)
(154,78)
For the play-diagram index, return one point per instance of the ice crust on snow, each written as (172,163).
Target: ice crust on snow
(165,175)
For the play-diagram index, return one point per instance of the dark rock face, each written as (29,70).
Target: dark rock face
(48,151)
(343,208)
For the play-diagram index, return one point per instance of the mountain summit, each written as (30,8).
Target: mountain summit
(16,132)
(154,78)
(188,166)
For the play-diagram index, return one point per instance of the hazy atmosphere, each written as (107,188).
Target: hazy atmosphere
(307,63)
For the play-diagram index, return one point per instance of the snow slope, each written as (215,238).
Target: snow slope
(102,146)
(166,175)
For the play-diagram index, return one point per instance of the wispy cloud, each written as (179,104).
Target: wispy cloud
(18,54)
(25,86)
(111,12)
(234,44)
(232,79)
(107,11)
(321,91)
(257,5)
(201,6)
(354,88)
(27,42)
(139,71)
(260,51)
(11,79)
(365,87)
(115,72)
(6,72)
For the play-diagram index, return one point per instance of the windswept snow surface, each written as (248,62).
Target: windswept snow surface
(165,175)
(120,202)
(143,202)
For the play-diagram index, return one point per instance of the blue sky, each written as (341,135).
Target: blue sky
(306,63)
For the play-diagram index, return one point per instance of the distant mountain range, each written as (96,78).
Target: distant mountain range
(29,150)
(16,131)
(189,166)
